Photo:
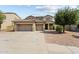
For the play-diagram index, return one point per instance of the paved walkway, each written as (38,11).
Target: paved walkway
(30,42)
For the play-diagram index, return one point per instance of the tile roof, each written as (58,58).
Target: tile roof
(40,18)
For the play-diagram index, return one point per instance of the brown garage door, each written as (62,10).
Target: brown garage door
(39,27)
(25,27)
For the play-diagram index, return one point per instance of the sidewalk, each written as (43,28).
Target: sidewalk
(60,49)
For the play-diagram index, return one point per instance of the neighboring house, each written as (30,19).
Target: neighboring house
(32,23)
(7,24)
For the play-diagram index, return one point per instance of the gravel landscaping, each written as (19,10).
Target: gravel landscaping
(67,39)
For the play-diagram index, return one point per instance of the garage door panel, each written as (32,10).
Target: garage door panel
(25,27)
(39,27)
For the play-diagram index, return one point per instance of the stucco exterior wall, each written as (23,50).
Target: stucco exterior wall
(7,23)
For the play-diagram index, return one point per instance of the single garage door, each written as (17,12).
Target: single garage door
(25,27)
(39,27)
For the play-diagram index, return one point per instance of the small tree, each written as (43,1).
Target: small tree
(71,17)
(78,18)
(65,17)
(2,17)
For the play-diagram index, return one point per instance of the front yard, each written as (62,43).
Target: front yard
(67,39)
(36,42)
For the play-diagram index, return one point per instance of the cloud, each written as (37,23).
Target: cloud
(52,8)
(73,6)
(43,8)
(48,8)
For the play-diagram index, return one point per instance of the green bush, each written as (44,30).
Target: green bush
(59,29)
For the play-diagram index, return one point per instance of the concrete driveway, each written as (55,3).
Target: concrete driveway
(30,42)
(22,42)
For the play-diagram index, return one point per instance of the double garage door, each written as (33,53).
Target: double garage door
(24,27)
(29,27)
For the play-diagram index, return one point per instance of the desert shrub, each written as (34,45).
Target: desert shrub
(59,29)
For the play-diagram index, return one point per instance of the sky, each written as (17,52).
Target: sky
(36,10)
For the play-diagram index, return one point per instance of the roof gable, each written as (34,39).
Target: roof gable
(12,13)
